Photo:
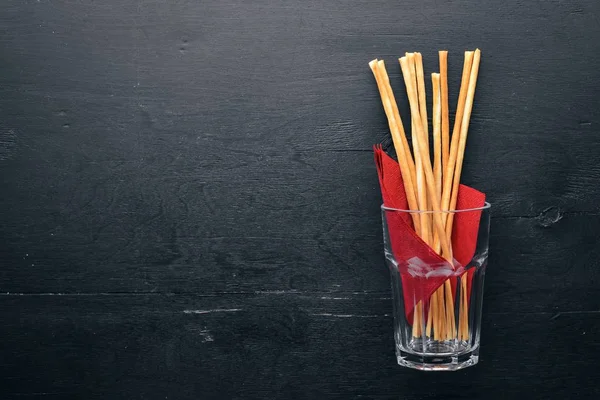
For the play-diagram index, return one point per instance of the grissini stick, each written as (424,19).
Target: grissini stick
(449,171)
(421,187)
(396,130)
(437,139)
(464,130)
(390,92)
(435,200)
(421,94)
(443,55)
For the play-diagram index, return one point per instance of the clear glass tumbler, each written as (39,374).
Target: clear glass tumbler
(437,305)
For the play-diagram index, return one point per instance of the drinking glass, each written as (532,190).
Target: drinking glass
(437,305)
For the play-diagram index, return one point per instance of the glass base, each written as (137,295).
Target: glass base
(432,355)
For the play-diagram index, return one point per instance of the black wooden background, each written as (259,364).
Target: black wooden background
(189,204)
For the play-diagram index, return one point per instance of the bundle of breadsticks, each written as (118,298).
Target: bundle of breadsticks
(431,182)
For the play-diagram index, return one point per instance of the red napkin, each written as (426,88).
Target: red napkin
(422,270)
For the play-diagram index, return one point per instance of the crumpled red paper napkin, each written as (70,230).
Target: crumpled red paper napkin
(421,269)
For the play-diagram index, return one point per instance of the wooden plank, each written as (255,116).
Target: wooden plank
(149,103)
(536,264)
(271,346)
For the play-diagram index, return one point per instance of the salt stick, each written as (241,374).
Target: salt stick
(432,317)
(450,318)
(464,130)
(463,322)
(442,313)
(421,193)
(462,98)
(418,320)
(449,171)
(433,309)
(437,145)
(425,218)
(417,154)
(386,81)
(422,95)
(441,328)
(435,200)
(461,314)
(397,131)
(437,140)
(448,330)
(465,308)
(429,317)
(420,183)
(443,55)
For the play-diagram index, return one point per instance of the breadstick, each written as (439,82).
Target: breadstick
(449,171)
(425,223)
(435,200)
(422,98)
(397,131)
(443,55)
(437,140)
(464,130)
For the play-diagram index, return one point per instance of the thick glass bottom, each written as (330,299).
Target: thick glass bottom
(430,355)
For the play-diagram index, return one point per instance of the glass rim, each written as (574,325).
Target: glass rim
(485,206)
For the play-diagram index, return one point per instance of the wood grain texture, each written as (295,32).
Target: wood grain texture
(271,346)
(158,157)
